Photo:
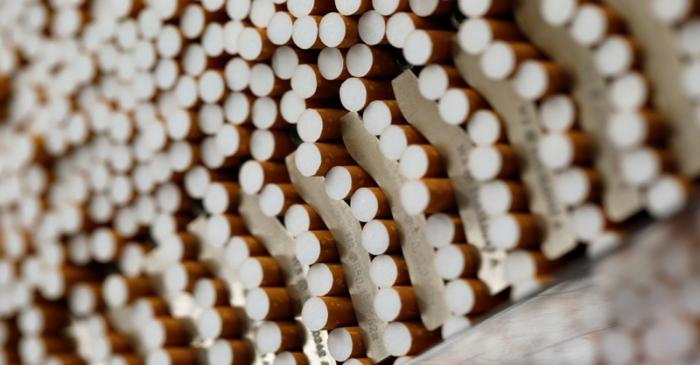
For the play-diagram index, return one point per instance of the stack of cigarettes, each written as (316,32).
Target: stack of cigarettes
(133,132)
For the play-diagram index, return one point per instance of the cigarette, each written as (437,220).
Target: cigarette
(491,162)
(268,145)
(353,7)
(455,324)
(502,196)
(34,349)
(147,308)
(427,46)
(233,141)
(371,62)
(220,322)
(181,125)
(641,165)
(119,291)
(523,266)
(578,185)
(371,28)
(428,196)
(240,248)
(618,345)
(227,351)
(289,357)
(331,64)
(443,229)
(356,93)
(426,8)
(42,319)
(266,114)
(300,8)
(327,279)
(222,197)
(253,45)
(253,175)
(305,32)
(485,8)
(165,331)
(315,246)
(171,199)
(308,82)
(260,271)
(183,156)
(320,125)
(169,42)
(380,237)
(559,13)
(173,356)
(280,28)
(221,227)
(117,342)
(387,271)
(408,338)
(636,128)
(434,80)
(561,150)
(469,296)
(368,204)
(514,230)
(211,86)
(166,73)
(211,292)
(667,196)
(421,161)
(269,304)
(338,31)
(213,159)
(673,13)
(85,299)
(237,74)
(380,114)
(342,181)
(535,80)
(300,218)
(457,261)
(396,138)
(264,83)
(315,159)
(588,221)
(105,244)
(593,22)
(192,21)
(558,113)
(346,342)
(237,109)
(182,276)
(261,12)
(396,304)
(279,336)
(327,313)
(388,7)
(616,55)
(630,91)
(275,199)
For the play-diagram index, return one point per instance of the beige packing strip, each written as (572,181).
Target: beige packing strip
(280,245)
(523,129)
(346,230)
(589,89)
(662,64)
(419,255)
(454,145)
